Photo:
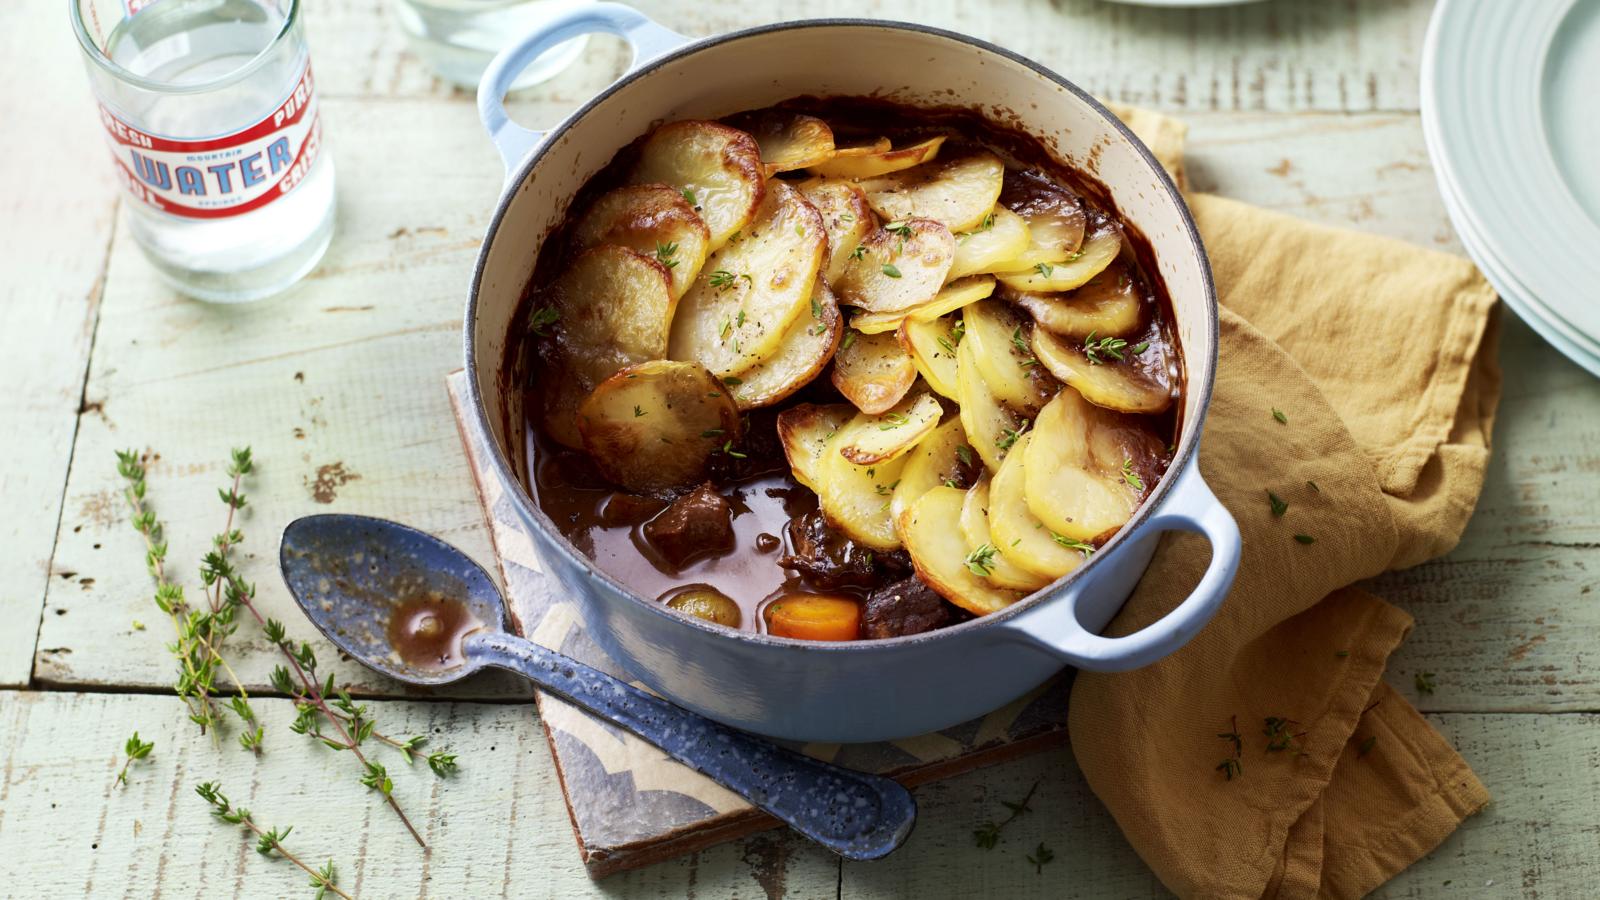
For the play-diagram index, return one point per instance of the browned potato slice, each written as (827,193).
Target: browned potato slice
(1108,305)
(1055,218)
(993,244)
(653,219)
(941,556)
(991,428)
(1015,528)
(855,499)
(932,346)
(654,425)
(1086,467)
(611,308)
(717,169)
(999,340)
(748,294)
(860,163)
(805,350)
(1105,380)
(958,193)
(895,432)
(872,371)
(845,214)
(976,528)
(952,297)
(897,267)
(942,457)
(788,140)
(1097,252)
(804,430)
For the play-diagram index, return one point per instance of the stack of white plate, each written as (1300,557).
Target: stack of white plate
(1511,113)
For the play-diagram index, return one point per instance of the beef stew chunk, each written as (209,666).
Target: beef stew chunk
(905,607)
(696,525)
(825,556)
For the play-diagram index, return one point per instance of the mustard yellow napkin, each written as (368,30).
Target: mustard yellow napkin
(1381,358)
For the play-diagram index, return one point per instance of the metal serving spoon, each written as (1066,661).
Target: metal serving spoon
(412,607)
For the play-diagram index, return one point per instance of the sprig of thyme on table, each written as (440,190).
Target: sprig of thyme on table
(268,841)
(135,749)
(988,835)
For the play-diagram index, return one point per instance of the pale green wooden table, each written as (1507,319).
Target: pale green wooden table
(1307,107)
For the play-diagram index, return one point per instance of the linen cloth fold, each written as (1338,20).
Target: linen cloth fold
(1381,357)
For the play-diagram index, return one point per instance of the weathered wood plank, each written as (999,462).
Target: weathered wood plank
(56,217)
(1290,55)
(498,828)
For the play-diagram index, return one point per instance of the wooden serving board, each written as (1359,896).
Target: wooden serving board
(629,805)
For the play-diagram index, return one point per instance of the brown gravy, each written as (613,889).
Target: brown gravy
(427,631)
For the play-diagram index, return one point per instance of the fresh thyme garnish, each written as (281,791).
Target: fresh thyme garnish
(1021,343)
(1366,746)
(1231,766)
(711,432)
(689,196)
(135,749)
(944,344)
(722,279)
(727,447)
(1075,255)
(1278,414)
(849,338)
(1129,476)
(893,420)
(847,218)
(665,254)
(1008,437)
(1305,539)
(1085,548)
(738,320)
(731,381)
(890,270)
(1341,653)
(989,834)
(1139,348)
(1279,507)
(1424,682)
(816,308)
(1108,346)
(885,490)
(1040,856)
(958,330)
(268,841)
(1279,735)
(542,318)
(638,412)
(1044,269)
(859,252)
(981,560)
(901,228)
(964,453)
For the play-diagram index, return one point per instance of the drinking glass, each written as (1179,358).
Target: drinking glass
(210,110)
(459,37)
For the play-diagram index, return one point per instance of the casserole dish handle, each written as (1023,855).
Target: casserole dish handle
(1055,627)
(514,142)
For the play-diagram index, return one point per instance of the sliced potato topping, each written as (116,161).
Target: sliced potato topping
(788,140)
(867,162)
(1015,528)
(958,192)
(992,429)
(611,308)
(1055,218)
(1108,305)
(653,219)
(751,291)
(846,216)
(995,243)
(855,499)
(717,169)
(1097,252)
(941,556)
(804,430)
(975,527)
(654,425)
(941,458)
(894,432)
(1104,380)
(999,340)
(1086,467)
(804,352)
(872,371)
(898,266)
(952,297)
(932,346)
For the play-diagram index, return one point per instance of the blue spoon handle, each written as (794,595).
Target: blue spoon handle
(855,815)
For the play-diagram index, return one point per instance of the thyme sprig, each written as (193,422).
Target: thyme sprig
(268,841)
(135,749)
(1230,766)
(988,835)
